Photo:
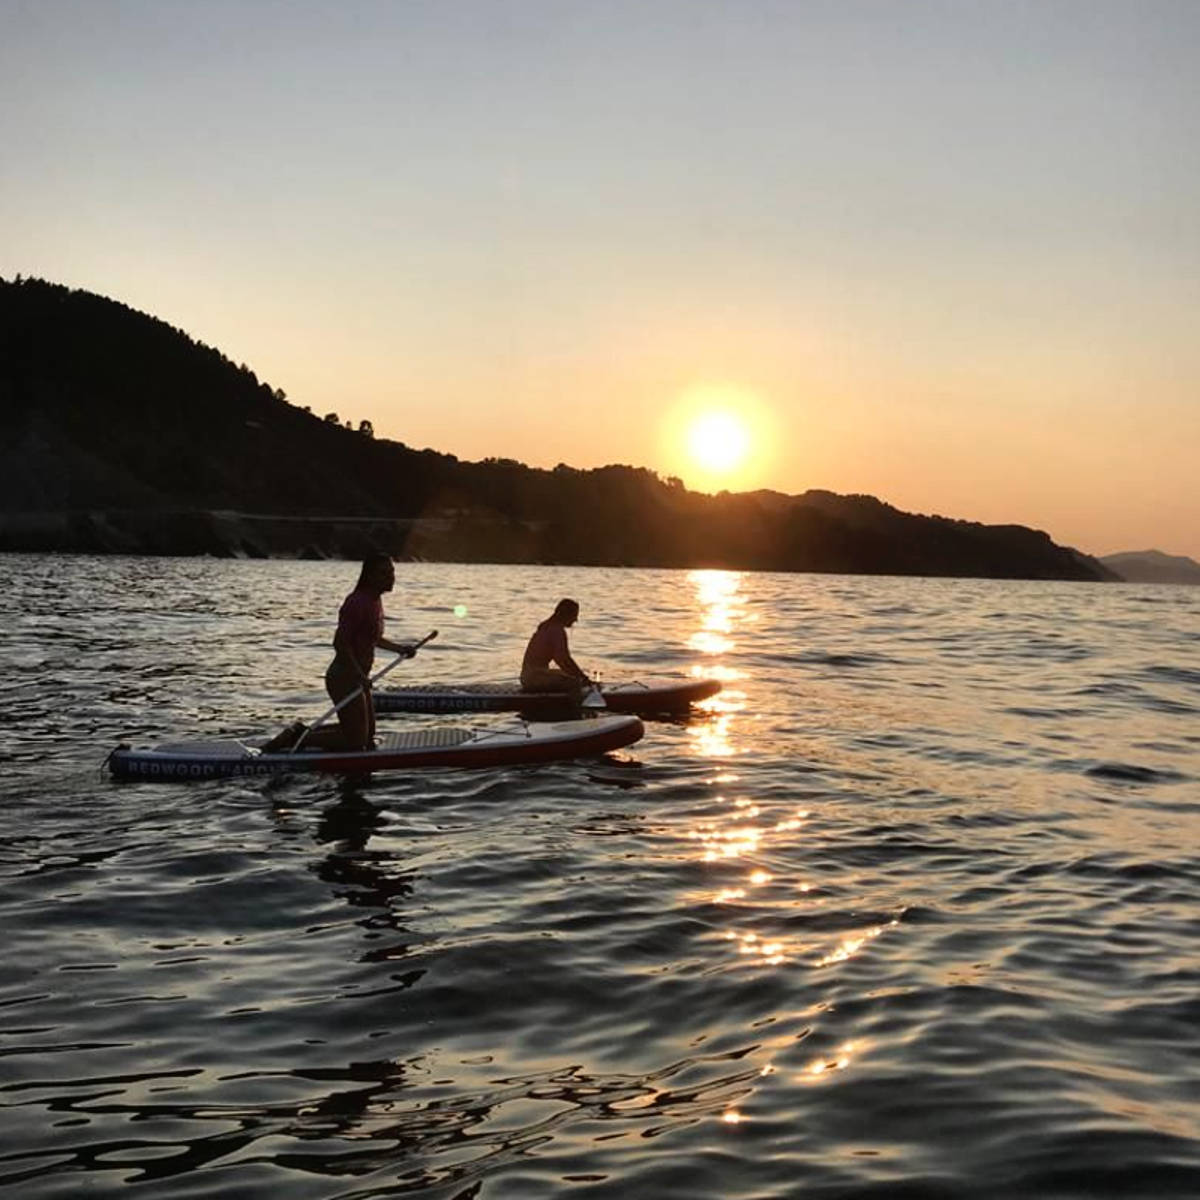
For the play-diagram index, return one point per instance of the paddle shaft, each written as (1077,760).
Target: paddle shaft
(358,691)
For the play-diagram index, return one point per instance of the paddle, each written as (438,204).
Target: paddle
(409,652)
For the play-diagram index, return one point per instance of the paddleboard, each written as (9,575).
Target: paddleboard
(440,747)
(648,696)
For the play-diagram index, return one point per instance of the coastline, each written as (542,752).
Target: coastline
(467,537)
(223,533)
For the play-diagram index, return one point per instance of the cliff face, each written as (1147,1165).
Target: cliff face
(121,434)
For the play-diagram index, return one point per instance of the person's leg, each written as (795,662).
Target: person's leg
(328,737)
(282,742)
(355,728)
(551,679)
(355,725)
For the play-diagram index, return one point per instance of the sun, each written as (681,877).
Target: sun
(719,437)
(718,441)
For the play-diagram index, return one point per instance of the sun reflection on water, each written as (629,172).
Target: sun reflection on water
(721,614)
(726,843)
(711,738)
(839,1061)
(750,846)
(707,642)
(762,950)
(729,844)
(718,593)
(718,671)
(850,946)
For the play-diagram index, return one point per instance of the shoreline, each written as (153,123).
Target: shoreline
(222,533)
(460,538)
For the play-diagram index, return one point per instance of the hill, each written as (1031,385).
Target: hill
(119,433)
(1153,566)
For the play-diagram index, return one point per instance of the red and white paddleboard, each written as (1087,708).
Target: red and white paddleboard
(440,747)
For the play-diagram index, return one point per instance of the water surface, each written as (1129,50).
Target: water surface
(912,909)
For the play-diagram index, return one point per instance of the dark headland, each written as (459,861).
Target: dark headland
(120,434)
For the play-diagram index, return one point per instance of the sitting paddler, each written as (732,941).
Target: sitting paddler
(549,645)
(359,632)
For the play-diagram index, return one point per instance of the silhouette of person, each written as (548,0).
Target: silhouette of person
(359,632)
(549,645)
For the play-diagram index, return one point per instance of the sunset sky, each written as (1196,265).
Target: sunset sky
(945,253)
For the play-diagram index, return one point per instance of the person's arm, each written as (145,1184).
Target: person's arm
(562,656)
(405,648)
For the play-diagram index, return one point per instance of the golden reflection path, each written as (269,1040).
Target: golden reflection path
(738,843)
(722,612)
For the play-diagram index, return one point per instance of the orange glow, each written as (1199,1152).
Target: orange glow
(711,740)
(705,642)
(718,437)
(718,441)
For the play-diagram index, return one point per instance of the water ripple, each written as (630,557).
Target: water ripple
(908,910)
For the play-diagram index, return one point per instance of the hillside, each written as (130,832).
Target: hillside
(119,433)
(1153,566)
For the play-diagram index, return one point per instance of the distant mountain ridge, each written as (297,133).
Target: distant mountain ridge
(119,433)
(1153,566)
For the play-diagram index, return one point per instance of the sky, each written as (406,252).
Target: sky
(943,253)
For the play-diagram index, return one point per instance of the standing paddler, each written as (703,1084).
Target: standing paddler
(359,632)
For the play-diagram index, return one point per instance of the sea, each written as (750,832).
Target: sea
(911,909)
